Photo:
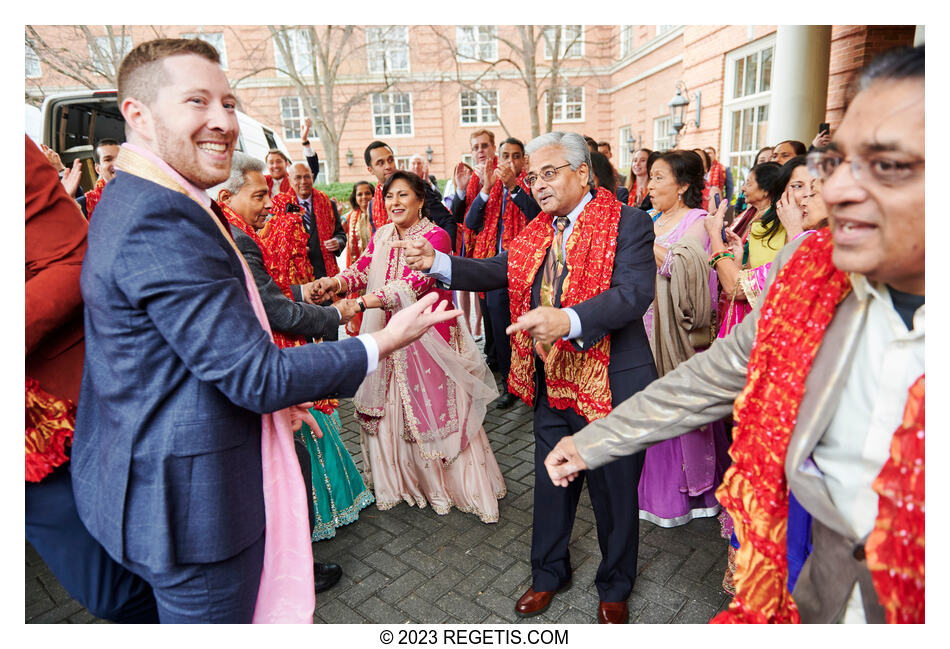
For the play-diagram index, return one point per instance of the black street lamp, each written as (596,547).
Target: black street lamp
(349,158)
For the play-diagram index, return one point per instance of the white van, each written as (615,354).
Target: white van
(73,122)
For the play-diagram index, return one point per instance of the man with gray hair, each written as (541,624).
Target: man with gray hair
(244,199)
(580,276)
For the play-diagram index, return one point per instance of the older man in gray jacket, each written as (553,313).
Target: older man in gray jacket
(865,382)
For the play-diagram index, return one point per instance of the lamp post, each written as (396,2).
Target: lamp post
(678,109)
(429,153)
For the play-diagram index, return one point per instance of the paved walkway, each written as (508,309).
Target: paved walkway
(411,565)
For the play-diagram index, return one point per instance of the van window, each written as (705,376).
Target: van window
(83,124)
(269,136)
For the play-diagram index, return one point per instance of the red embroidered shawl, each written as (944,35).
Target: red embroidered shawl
(514,221)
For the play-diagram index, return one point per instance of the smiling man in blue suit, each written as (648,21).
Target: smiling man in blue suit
(167,460)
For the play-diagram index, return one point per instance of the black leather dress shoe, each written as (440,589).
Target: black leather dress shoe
(325,575)
(505,401)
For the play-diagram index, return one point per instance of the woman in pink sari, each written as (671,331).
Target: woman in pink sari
(421,412)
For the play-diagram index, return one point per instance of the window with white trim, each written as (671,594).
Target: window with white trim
(301,51)
(478,107)
(662,29)
(216,40)
(572,41)
(662,133)
(33,68)
(108,51)
(392,113)
(387,49)
(745,112)
(625,157)
(568,104)
(626,40)
(476,42)
(291,117)
(402,162)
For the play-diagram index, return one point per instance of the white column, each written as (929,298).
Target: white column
(799,82)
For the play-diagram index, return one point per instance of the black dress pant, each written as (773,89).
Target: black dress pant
(497,311)
(613,495)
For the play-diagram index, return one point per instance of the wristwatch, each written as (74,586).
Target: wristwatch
(361,304)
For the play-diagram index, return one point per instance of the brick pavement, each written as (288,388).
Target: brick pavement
(412,565)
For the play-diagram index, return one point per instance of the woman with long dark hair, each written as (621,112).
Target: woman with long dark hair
(421,412)
(680,476)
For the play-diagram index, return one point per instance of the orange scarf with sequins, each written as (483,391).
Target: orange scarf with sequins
(93,196)
(514,221)
(50,422)
(575,379)
(322,216)
(380,215)
(800,305)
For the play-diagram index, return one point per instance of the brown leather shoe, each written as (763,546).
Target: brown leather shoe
(536,602)
(612,613)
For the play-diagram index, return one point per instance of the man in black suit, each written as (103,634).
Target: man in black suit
(301,182)
(561,182)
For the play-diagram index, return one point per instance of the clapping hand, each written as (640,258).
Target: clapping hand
(71,178)
(419,253)
(463,174)
(53,158)
(506,171)
(563,462)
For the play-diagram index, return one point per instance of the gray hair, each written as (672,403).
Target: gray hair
(302,163)
(416,156)
(574,146)
(241,165)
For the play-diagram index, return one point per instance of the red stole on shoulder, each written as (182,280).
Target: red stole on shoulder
(514,221)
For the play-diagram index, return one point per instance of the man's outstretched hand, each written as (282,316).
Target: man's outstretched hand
(563,463)
(410,323)
(419,253)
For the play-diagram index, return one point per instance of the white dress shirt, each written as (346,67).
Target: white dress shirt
(888,359)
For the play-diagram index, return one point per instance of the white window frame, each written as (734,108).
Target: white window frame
(216,40)
(482,39)
(390,114)
(402,162)
(561,100)
(625,157)
(481,107)
(742,160)
(34,67)
(576,48)
(626,41)
(100,51)
(301,51)
(662,140)
(381,44)
(662,29)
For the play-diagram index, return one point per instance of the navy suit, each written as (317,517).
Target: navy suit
(619,312)
(166,460)
(496,308)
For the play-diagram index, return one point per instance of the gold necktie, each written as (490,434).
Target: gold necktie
(553,264)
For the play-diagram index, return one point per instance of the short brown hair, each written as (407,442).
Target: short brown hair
(278,152)
(483,131)
(141,74)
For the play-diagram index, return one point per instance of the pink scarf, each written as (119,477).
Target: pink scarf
(285,594)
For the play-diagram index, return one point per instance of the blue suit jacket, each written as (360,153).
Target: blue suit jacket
(618,310)
(166,459)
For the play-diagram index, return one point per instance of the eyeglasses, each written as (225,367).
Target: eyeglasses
(547,175)
(877,168)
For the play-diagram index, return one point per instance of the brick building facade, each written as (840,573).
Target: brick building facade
(615,83)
